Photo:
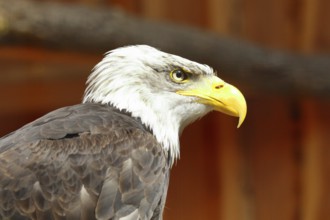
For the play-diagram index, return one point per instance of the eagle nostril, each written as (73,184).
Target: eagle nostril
(218,86)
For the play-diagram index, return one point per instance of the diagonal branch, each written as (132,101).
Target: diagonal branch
(86,29)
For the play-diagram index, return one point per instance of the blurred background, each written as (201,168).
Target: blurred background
(276,166)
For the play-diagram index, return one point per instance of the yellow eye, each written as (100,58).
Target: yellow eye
(179,76)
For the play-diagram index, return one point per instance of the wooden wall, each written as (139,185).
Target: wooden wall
(276,166)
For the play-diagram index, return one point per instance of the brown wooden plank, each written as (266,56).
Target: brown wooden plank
(39,54)
(271,159)
(273,23)
(37,96)
(316,176)
(322,38)
(309,27)
(35,79)
(154,10)
(192,194)
(232,171)
(132,6)
(225,17)
(186,12)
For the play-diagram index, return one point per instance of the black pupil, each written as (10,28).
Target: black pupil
(179,74)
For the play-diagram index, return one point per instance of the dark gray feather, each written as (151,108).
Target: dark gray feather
(82,162)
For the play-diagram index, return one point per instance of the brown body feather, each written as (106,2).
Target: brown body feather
(87,161)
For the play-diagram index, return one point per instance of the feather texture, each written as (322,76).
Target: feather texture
(88,161)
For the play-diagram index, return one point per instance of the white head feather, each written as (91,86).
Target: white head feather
(136,79)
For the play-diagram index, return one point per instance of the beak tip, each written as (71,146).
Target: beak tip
(239,124)
(242,116)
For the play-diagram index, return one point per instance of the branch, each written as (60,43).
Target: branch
(98,29)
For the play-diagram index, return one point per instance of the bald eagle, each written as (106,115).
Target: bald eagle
(110,156)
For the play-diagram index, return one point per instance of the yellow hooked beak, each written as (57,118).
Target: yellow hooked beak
(222,96)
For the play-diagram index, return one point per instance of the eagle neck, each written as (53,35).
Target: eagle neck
(165,130)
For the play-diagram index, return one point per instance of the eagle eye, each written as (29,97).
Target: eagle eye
(179,76)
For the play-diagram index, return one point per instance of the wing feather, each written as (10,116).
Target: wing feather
(87,161)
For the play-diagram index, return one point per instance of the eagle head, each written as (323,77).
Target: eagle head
(165,91)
